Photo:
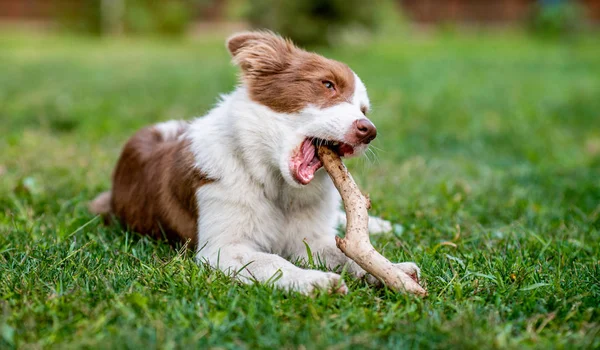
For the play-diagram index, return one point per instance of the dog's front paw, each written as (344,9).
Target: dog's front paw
(311,281)
(411,269)
(379,225)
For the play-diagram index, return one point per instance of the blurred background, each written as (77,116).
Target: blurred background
(309,22)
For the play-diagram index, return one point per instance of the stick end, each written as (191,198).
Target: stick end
(340,242)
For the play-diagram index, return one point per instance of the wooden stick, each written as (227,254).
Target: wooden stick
(356,244)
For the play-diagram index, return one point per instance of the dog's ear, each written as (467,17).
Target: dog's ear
(260,52)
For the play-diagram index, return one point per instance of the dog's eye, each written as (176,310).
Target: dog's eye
(329,85)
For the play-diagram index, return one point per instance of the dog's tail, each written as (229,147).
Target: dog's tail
(101,205)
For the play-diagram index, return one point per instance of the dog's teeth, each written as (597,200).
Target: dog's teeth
(335,143)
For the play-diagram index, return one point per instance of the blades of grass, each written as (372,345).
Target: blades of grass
(534,286)
(311,262)
(83,226)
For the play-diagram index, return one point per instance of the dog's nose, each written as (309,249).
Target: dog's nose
(365,130)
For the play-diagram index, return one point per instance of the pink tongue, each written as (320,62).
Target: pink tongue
(309,165)
(308,152)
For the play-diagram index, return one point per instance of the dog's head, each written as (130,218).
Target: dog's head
(320,101)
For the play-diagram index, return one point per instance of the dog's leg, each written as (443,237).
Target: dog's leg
(325,250)
(250,265)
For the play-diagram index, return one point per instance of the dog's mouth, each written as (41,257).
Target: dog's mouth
(304,162)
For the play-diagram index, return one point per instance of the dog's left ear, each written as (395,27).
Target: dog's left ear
(260,52)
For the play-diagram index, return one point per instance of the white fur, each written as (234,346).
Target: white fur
(255,216)
(171,129)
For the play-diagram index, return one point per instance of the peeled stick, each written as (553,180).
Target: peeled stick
(356,244)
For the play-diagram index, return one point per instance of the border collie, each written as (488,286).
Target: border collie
(243,182)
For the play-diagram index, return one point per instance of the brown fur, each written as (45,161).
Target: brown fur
(285,78)
(154,187)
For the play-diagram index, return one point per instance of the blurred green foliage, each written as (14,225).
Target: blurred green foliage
(84,17)
(559,19)
(313,22)
(166,17)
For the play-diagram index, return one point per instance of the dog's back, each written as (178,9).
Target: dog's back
(154,184)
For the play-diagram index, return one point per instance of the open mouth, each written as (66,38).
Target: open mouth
(304,162)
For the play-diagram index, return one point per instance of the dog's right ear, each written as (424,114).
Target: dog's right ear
(260,52)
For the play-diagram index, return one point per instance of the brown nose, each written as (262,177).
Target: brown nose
(365,130)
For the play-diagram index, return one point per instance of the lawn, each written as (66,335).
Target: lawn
(487,161)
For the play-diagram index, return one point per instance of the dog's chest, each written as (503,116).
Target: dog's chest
(299,214)
(281,217)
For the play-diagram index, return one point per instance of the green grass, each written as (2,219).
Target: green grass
(488,156)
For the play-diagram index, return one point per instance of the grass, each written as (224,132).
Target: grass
(488,162)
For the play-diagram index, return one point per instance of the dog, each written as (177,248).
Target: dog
(243,183)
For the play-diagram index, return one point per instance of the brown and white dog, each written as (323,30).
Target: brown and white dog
(243,182)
